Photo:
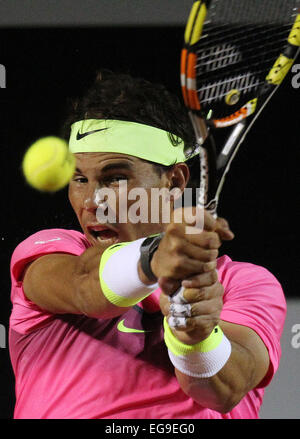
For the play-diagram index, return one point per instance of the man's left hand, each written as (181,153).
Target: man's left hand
(203,295)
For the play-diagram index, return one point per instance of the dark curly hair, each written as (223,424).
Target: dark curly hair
(120,96)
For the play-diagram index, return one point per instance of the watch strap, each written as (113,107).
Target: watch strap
(148,247)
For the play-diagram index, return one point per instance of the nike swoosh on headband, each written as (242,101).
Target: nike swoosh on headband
(122,328)
(81,135)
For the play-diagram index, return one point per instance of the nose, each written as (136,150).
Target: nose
(94,201)
(90,201)
(89,204)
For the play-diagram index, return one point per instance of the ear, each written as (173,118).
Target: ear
(179,176)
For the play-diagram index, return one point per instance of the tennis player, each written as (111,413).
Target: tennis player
(138,320)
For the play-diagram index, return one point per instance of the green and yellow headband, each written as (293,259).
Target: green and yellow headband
(138,140)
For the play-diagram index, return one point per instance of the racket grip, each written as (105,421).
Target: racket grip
(177,297)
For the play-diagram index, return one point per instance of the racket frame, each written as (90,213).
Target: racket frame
(213,167)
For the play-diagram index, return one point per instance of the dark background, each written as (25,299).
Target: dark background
(47,66)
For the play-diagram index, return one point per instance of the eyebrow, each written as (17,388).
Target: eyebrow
(117,165)
(111,166)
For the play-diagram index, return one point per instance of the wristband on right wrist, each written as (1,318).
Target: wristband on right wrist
(203,359)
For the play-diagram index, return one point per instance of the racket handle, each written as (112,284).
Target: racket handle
(177,297)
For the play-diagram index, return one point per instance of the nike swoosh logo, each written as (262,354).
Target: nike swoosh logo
(122,328)
(81,135)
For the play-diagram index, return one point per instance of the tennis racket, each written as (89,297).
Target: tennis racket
(236,54)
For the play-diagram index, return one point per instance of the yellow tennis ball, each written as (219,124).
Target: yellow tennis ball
(48,165)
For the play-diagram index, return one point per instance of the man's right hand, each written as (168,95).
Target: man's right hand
(180,254)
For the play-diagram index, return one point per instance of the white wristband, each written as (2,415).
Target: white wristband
(201,360)
(118,274)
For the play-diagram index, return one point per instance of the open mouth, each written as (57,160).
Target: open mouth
(102,233)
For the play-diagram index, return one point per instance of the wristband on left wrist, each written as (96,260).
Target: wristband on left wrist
(148,248)
(118,274)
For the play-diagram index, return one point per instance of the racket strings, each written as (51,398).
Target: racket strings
(225,31)
(255,67)
(237,11)
(242,63)
(215,45)
(218,90)
(233,58)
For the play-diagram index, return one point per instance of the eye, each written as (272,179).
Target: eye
(80,179)
(115,179)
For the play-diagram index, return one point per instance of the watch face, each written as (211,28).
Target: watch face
(148,247)
(151,241)
(146,244)
(145,264)
(155,242)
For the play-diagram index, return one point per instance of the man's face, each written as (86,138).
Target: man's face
(117,175)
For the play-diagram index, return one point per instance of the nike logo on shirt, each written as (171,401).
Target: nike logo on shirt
(81,135)
(49,240)
(122,328)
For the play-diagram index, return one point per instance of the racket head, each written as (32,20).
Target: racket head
(236,53)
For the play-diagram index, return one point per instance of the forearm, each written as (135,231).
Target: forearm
(89,297)
(223,391)
(62,284)
(99,284)
(245,368)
